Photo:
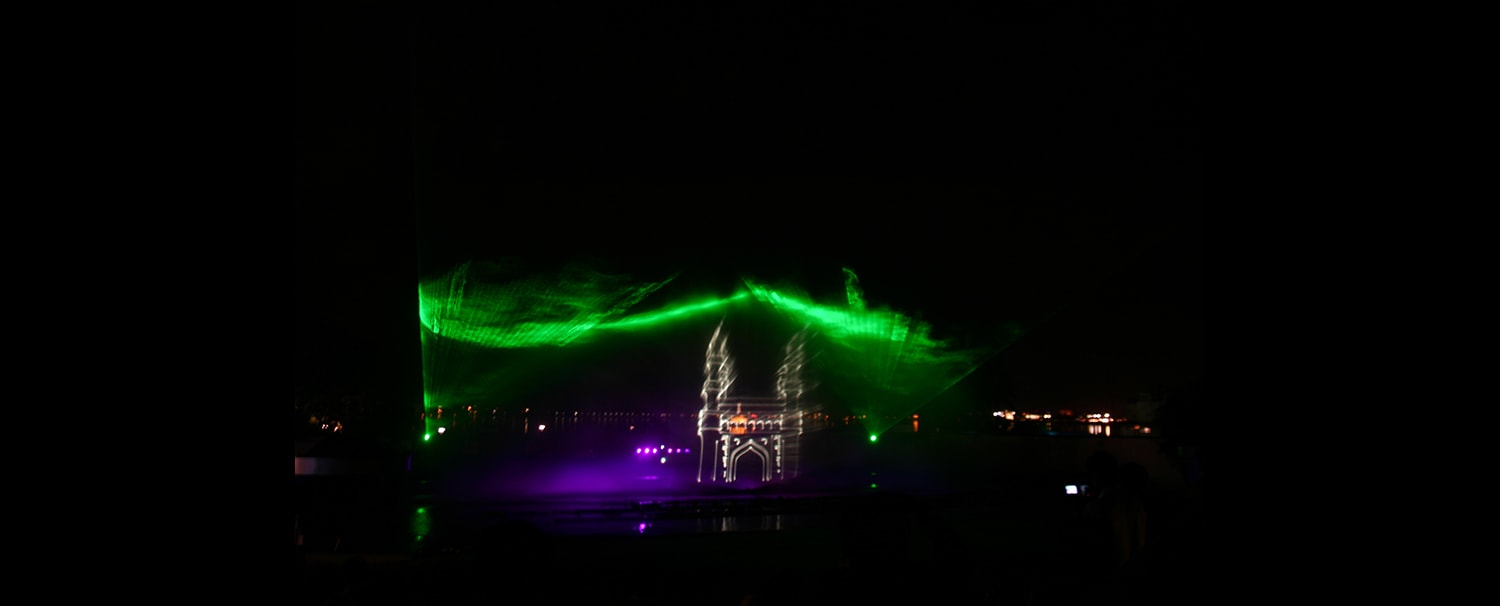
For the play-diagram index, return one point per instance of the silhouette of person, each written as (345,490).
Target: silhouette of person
(1099,471)
(1127,513)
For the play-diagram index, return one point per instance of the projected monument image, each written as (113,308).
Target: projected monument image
(738,432)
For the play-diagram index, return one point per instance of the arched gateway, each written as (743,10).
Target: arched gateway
(740,434)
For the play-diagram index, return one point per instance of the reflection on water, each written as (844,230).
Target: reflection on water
(458,525)
(635,475)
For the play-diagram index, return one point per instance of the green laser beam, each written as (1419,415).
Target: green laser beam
(883,364)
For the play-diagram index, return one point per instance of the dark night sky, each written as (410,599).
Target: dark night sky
(1034,163)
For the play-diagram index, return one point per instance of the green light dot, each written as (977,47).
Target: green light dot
(872,438)
(872,485)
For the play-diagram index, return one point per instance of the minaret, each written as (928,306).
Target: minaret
(718,377)
(718,368)
(789,385)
